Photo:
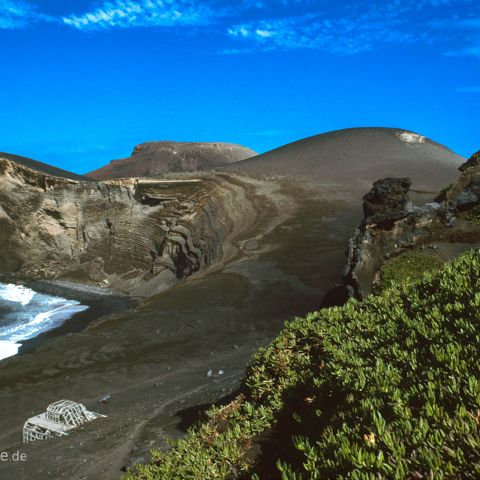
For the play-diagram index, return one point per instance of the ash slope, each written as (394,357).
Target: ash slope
(158,158)
(43,167)
(286,227)
(352,156)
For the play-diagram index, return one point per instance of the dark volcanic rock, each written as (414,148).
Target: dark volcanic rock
(393,225)
(473,161)
(465,193)
(388,197)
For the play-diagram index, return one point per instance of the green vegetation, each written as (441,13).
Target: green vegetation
(384,388)
(473,215)
(408,266)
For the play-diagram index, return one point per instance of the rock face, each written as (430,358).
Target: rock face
(158,158)
(130,233)
(393,225)
(473,161)
(465,193)
(387,198)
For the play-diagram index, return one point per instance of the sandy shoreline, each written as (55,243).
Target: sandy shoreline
(99,300)
(153,360)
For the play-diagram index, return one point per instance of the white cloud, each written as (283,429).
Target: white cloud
(129,13)
(345,35)
(264,33)
(354,28)
(344,28)
(16,14)
(239,31)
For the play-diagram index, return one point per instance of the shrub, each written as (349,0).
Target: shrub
(408,266)
(384,388)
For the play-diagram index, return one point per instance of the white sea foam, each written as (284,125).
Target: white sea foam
(24,314)
(16,293)
(8,349)
(42,322)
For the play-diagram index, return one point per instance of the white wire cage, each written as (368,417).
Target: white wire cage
(59,418)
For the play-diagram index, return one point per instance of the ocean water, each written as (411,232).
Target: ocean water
(24,314)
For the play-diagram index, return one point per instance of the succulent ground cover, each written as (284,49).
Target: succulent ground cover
(406,267)
(384,388)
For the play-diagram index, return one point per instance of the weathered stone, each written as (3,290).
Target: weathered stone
(387,198)
(103,232)
(469,197)
(409,227)
(473,161)
(465,193)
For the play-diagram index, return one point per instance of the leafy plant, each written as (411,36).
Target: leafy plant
(387,388)
(408,266)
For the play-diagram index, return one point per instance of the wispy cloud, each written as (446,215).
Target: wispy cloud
(357,28)
(349,27)
(18,14)
(129,13)
(348,35)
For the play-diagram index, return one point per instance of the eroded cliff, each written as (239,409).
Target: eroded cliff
(135,234)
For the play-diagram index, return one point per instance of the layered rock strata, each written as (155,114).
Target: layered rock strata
(124,232)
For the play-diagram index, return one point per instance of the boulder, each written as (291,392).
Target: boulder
(387,198)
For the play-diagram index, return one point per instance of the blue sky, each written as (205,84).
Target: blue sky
(83,81)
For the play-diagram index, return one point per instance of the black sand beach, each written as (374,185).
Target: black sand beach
(284,251)
(100,301)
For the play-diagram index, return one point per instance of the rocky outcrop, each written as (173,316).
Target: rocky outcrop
(129,233)
(465,193)
(394,225)
(387,200)
(158,158)
(473,161)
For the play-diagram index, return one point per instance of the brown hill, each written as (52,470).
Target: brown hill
(245,250)
(158,158)
(354,158)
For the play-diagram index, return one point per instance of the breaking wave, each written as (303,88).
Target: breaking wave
(24,314)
